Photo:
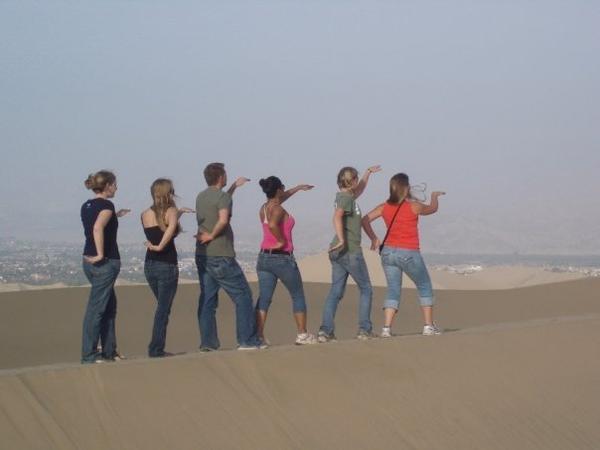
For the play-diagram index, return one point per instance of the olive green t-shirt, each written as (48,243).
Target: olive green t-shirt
(208,204)
(352,221)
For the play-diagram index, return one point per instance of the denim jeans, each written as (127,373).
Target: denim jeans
(353,264)
(395,261)
(101,311)
(162,278)
(216,272)
(273,267)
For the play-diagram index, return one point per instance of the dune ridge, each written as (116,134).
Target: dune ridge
(515,369)
(476,389)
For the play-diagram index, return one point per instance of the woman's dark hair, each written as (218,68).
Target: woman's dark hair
(399,188)
(270,186)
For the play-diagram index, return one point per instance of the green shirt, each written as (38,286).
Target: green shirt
(351,220)
(208,204)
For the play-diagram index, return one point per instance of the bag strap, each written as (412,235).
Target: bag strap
(387,233)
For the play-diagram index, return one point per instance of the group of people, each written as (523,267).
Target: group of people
(218,268)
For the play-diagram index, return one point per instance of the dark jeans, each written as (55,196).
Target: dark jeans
(216,272)
(101,311)
(273,267)
(162,278)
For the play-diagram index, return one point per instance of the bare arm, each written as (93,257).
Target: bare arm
(301,187)
(338,225)
(236,184)
(362,184)
(98,231)
(425,210)
(222,221)
(366,224)
(171,216)
(184,210)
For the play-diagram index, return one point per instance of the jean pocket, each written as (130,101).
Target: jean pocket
(407,260)
(220,267)
(386,258)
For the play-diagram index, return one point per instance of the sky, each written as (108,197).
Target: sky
(495,102)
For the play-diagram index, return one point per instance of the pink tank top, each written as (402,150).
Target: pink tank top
(269,241)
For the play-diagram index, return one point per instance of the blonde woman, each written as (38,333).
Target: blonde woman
(345,255)
(101,265)
(400,250)
(161,226)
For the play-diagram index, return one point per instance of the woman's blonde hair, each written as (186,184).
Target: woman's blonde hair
(163,198)
(346,176)
(399,188)
(98,181)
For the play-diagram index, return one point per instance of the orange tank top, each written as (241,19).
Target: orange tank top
(405,229)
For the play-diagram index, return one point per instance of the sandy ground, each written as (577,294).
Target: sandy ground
(516,369)
(316,268)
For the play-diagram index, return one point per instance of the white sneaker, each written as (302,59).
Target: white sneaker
(324,337)
(248,347)
(305,338)
(386,332)
(365,335)
(431,330)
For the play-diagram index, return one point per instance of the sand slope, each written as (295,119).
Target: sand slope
(518,387)
(517,369)
(44,327)
(317,269)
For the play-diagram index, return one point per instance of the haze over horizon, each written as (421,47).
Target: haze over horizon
(496,103)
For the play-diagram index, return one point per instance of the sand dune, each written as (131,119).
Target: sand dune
(516,369)
(317,269)
(484,389)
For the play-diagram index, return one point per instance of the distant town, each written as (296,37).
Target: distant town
(46,263)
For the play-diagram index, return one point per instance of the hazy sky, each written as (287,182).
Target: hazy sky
(496,102)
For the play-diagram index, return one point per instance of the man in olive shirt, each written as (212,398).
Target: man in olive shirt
(216,263)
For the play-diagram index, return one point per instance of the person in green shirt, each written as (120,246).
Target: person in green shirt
(345,255)
(216,263)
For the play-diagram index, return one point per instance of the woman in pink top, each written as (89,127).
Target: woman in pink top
(276,258)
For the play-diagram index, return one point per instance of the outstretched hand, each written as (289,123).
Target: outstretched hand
(123,212)
(241,181)
(184,210)
(374,169)
(305,187)
(437,193)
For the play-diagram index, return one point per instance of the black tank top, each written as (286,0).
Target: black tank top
(169,254)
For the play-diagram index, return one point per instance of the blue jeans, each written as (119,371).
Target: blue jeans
(273,267)
(352,264)
(162,278)
(216,272)
(101,311)
(395,261)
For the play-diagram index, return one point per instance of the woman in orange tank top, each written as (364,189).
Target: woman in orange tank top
(400,250)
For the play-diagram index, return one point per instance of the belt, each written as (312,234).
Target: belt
(274,251)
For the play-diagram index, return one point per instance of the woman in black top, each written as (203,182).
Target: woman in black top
(101,265)
(161,226)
